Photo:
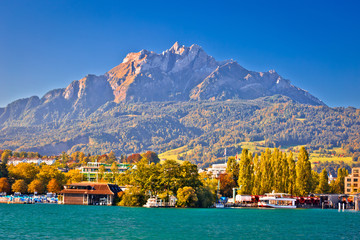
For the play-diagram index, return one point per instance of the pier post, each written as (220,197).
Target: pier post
(343,207)
(356,200)
(339,206)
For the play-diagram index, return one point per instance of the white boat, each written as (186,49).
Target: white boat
(152,203)
(277,200)
(219,205)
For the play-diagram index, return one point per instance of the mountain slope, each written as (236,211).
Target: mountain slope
(179,97)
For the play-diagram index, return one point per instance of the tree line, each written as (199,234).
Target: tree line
(166,179)
(278,171)
(31,178)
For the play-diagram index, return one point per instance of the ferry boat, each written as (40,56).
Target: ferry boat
(277,200)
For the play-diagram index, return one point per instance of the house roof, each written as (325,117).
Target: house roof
(91,188)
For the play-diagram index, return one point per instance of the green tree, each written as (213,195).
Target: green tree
(292,174)
(188,175)
(64,156)
(186,197)
(245,173)
(170,175)
(339,185)
(209,182)
(285,173)
(267,172)
(6,155)
(19,186)
(205,197)
(102,171)
(146,177)
(323,182)
(23,154)
(233,168)
(133,197)
(4,185)
(278,171)
(315,180)
(3,170)
(257,176)
(114,170)
(303,173)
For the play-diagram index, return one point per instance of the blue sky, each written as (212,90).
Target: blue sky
(48,44)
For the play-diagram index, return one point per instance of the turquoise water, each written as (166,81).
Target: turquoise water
(45,221)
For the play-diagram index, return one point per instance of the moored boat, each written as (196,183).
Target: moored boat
(152,203)
(277,200)
(219,205)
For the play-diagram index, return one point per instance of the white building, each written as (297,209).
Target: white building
(36,161)
(217,169)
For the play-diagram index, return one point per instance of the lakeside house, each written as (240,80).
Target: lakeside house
(352,181)
(89,193)
(91,171)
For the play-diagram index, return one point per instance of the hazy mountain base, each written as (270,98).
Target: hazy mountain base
(205,127)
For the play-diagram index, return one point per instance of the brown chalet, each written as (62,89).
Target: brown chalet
(89,193)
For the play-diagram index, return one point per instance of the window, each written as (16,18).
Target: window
(348,185)
(356,179)
(356,175)
(356,170)
(348,190)
(355,185)
(348,179)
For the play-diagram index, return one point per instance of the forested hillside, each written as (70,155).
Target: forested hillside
(205,128)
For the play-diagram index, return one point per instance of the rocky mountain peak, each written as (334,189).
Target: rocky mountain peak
(177,49)
(180,73)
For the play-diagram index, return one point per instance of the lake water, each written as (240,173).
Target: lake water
(43,221)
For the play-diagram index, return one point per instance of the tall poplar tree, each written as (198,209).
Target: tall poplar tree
(291,187)
(339,185)
(233,168)
(245,173)
(257,176)
(303,173)
(267,172)
(278,171)
(323,182)
(285,173)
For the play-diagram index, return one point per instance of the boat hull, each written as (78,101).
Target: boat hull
(264,205)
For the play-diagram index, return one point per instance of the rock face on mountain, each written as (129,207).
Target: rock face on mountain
(177,74)
(188,73)
(171,75)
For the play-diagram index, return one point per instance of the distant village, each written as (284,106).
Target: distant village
(145,180)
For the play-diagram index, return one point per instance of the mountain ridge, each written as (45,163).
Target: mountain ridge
(178,74)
